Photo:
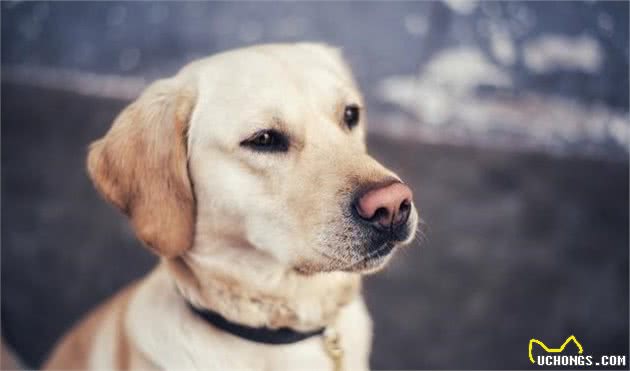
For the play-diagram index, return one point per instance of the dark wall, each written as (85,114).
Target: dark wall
(518,245)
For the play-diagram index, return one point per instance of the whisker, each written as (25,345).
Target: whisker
(420,235)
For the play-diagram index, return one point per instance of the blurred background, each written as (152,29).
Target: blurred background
(509,119)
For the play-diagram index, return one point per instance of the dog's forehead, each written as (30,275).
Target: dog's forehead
(248,89)
(276,73)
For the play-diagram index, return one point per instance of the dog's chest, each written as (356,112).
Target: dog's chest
(216,350)
(243,355)
(171,337)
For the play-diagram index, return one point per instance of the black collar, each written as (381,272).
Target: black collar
(283,335)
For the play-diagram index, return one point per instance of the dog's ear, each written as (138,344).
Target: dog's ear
(141,166)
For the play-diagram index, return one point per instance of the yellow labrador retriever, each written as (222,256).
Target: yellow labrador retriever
(247,173)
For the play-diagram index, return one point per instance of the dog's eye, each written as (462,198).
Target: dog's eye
(267,141)
(351,115)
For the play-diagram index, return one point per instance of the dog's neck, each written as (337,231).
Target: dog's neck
(256,291)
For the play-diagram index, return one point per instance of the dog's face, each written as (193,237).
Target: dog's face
(270,155)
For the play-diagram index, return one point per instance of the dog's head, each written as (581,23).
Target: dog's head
(262,148)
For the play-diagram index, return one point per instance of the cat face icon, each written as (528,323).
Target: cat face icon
(571,340)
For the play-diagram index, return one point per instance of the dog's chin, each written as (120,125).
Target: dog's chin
(373,261)
(365,263)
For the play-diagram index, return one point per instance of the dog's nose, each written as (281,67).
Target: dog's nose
(385,207)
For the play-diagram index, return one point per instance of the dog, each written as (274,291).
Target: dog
(247,174)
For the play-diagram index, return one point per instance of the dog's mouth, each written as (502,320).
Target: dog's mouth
(380,252)
(358,248)
(367,261)
(374,259)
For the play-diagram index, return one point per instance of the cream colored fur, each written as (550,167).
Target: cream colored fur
(261,238)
